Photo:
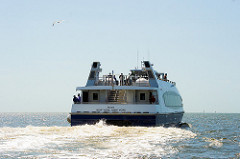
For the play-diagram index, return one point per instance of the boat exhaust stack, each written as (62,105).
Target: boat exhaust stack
(151,74)
(94,74)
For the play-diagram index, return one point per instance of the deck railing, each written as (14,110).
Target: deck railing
(116,103)
(109,81)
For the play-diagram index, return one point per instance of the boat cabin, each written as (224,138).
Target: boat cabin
(138,87)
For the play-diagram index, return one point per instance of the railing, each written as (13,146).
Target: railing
(166,80)
(107,80)
(138,103)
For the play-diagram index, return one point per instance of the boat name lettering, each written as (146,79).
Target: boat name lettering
(112,109)
(122,110)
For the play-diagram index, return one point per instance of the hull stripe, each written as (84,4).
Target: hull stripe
(128,120)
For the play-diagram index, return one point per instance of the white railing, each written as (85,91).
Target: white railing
(107,80)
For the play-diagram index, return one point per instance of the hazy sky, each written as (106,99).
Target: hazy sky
(197,42)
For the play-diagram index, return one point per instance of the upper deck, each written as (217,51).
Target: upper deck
(139,87)
(144,77)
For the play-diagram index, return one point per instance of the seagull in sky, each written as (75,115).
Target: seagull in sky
(59,21)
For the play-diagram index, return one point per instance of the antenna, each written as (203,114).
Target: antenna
(137,59)
(148,55)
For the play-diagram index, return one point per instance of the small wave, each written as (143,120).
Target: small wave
(214,143)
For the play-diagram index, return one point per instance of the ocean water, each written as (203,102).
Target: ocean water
(48,135)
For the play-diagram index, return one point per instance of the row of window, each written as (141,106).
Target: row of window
(95,96)
(171,99)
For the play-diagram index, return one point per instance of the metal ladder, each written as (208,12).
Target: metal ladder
(117,96)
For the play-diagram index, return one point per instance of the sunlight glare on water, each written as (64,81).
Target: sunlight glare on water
(91,141)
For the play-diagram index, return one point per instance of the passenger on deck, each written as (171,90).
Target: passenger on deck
(165,77)
(129,80)
(109,79)
(152,100)
(79,98)
(75,99)
(121,78)
(115,79)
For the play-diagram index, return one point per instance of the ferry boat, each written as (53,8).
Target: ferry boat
(144,97)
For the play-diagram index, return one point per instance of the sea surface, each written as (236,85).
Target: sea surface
(49,135)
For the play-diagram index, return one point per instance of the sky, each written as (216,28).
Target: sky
(195,42)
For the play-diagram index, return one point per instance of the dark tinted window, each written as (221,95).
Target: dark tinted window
(172,99)
(147,64)
(85,96)
(142,96)
(94,65)
(95,96)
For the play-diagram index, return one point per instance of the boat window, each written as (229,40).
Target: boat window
(92,75)
(94,64)
(142,96)
(172,99)
(85,97)
(147,64)
(95,96)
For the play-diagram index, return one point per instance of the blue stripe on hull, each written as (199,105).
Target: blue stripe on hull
(172,119)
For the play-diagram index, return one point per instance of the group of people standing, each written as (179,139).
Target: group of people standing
(122,79)
(77,99)
(165,77)
(125,80)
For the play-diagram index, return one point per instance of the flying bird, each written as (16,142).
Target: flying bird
(59,21)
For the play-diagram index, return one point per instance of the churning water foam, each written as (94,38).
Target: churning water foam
(91,141)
